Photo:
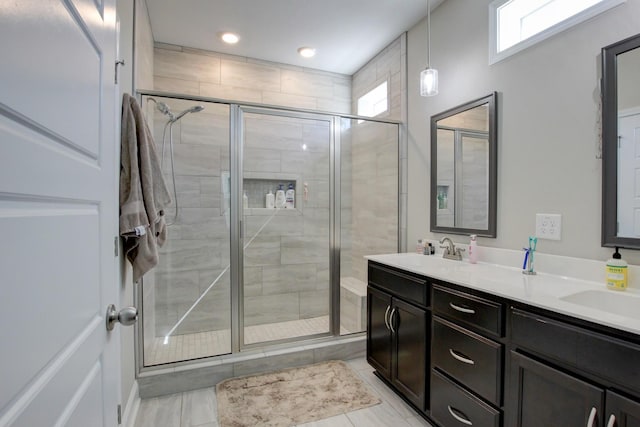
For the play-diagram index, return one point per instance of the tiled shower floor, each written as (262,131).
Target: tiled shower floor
(205,344)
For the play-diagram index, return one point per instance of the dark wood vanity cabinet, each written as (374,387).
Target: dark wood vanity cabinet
(467,358)
(398,332)
(565,375)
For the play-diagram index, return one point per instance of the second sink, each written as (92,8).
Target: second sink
(623,304)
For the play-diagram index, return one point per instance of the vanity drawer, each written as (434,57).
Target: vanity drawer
(452,406)
(471,359)
(476,312)
(606,357)
(403,285)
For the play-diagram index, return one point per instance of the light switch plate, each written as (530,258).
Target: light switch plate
(548,226)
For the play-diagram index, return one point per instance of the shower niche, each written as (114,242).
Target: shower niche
(257,185)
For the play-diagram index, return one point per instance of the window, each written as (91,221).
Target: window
(374,102)
(515,25)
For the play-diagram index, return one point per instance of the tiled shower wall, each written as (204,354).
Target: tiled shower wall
(198,72)
(375,167)
(287,271)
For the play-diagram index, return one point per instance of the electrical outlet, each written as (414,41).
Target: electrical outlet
(548,226)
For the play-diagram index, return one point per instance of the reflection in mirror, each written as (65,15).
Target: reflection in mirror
(621,144)
(629,142)
(463,171)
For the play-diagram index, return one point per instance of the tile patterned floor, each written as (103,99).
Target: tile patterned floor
(199,409)
(205,344)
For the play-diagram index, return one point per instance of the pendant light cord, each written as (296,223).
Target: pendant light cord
(428,35)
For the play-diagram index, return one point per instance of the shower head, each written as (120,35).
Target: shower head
(164,109)
(194,109)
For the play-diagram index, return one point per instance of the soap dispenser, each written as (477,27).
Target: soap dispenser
(280,200)
(473,250)
(617,272)
(270,200)
(290,197)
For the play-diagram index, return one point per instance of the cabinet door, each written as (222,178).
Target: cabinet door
(409,326)
(378,332)
(543,396)
(622,412)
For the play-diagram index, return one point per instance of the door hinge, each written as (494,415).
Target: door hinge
(119,414)
(119,62)
(116,245)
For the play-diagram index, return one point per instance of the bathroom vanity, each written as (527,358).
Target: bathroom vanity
(483,345)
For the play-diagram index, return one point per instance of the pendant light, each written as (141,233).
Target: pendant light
(429,76)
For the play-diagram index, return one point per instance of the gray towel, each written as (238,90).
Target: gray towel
(143,192)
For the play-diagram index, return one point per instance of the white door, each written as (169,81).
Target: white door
(58,211)
(629,176)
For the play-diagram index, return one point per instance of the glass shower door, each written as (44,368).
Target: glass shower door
(286,164)
(186,299)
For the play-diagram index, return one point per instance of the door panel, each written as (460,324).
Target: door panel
(411,338)
(625,411)
(58,213)
(378,334)
(544,396)
(629,176)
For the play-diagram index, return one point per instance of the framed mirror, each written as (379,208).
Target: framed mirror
(621,144)
(464,169)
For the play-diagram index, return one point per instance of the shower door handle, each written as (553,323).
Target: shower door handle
(127,316)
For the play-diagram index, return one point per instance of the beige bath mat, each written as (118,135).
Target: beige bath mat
(292,396)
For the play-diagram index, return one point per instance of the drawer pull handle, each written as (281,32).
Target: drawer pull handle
(386,317)
(393,312)
(612,421)
(592,417)
(461,358)
(462,309)
(464,420)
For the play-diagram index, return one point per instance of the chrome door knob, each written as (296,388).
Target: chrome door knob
(127,316)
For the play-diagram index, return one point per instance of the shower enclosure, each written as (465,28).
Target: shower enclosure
(236,274)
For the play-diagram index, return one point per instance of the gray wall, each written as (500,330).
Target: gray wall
(548,122)
(143,47)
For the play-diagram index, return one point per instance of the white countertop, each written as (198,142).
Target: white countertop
(542,290)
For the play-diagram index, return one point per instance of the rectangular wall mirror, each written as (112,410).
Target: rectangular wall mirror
(464,169)
(621,144)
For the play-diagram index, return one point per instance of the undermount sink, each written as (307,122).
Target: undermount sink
(622,304)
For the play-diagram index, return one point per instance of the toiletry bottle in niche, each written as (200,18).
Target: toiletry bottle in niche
(245,201)
(270,200)
(473,250)
(280,197)
(290,197)
(617,273)
(419,247)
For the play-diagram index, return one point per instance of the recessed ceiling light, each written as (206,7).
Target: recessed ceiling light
(307,52)
(230,38)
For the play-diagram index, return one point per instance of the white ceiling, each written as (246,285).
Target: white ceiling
(346,33)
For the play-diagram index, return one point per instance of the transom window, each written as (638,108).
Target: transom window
(517,24)
(374,102)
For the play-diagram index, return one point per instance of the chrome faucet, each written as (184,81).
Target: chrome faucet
(450,250)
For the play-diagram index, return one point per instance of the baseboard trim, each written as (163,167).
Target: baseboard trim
(131,409)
